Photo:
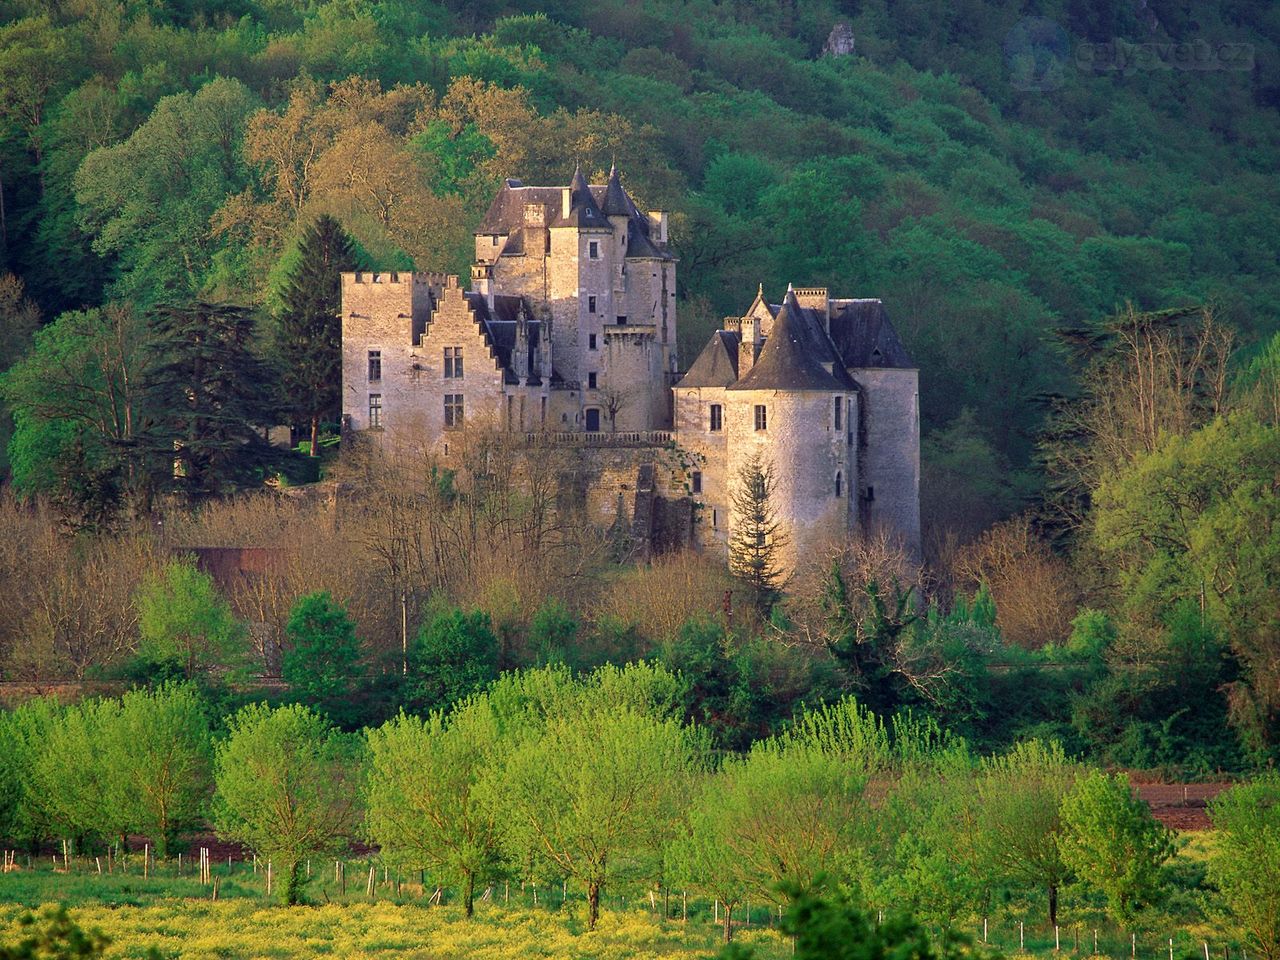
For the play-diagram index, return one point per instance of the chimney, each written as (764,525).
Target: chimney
(482,281)
(658,225)
(748,345)
(815,298)
(566,203)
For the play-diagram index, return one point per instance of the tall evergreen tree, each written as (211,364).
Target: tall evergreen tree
(757,534)
(308,329)
(209,395)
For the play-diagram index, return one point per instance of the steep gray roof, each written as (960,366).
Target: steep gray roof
(717,364)
(499,325)
(864,336)
(616,202)
(795,355)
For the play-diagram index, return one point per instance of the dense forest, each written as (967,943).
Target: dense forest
(1069,208)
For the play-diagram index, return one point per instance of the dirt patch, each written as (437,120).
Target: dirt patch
(1181,806)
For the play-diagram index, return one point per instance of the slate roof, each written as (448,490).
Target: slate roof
(864,336)
(717,364)
(591,205)
(795,355)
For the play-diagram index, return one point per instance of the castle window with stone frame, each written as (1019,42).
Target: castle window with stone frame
(591,380)
(839,412)
(593,249)
(453,362)
(591,341)
(375,366)
(717,418)
(375,410)
(591,304)
(453,411)
(762,417)
(695,481)
(839,484)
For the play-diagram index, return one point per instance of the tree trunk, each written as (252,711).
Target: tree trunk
(728,921)
(593,904)
(292,884)
(315,435)
(469,897)
(1053,904)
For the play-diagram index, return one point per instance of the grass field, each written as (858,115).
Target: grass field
(176,915)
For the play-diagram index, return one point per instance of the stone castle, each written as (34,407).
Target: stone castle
(567,335)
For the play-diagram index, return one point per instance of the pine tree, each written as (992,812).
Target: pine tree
(757,535)
(308,329)
(209,393)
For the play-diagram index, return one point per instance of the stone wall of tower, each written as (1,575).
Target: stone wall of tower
(631,378)
(707,452)
(806,454)
(384,313)
(890,435)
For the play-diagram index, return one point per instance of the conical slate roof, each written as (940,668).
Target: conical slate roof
(717,364)
(583,210)
(796,355)
(616,201)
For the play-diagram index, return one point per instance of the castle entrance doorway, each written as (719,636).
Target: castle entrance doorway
(593,420)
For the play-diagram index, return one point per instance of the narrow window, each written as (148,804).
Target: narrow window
(452,411)
(453,362)
(839,413)
(839,483)
(717,417)
(591,304)
(593,250)
(762,417)
(511,411)
(375,409)
(715,519)
(375,365)
(542,418)
(695,481)
(591,380)
(871,494)
(591,341)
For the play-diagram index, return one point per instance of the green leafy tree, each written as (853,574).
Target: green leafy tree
(182,619)
(53,935)
(553,632)
(285,788)
(588,794)
(321,662)
(1113,844)
(159,750)
(428,800)
(25,814)
(785,811)
(455,654)
(757,535)
(74,779)
(1020,826)
(1245,863)
(308,327)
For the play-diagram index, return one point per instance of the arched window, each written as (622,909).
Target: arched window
(839,483)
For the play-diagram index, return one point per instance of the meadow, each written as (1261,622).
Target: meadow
(176,915)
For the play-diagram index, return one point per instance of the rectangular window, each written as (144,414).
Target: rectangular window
(375,409)
(622,321)
(762,417)
(591,304)
(695,481)
(839,413)
(591,380)
(375,365)
(452,411)
(453,362)
(593,250)
(591,341)
(717,417)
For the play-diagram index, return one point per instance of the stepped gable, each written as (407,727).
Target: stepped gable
(717,364)
(861,331)
(796,354)
(500,325)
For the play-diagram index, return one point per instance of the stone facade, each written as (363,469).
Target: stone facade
(568,334)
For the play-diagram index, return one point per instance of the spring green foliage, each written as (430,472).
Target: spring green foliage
(1113,844)
(430,803)
(183,620)
(53,935)
(285,789)
(24,733)
(1245,865)
(321,662)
